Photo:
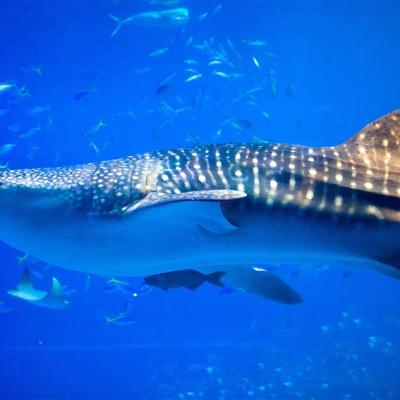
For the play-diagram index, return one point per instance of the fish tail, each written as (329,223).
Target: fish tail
(120,22)
(215,278)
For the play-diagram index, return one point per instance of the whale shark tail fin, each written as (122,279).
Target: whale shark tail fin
(378,142)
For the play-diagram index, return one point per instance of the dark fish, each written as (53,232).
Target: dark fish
(227,290)
(188,278)
(162,89)
(347,274)
(84,93)
(242,123)
(290,90)
(295,273)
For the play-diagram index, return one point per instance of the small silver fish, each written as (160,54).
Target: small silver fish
(141,71)
(221,74)
(193,78)
(121,319)
(6,87)
(217,9)
(255,43)
(214,62)
(159,52)
(202,17)
(14,127)
(7,148)
(256,62)
(95,129)
(38,110)
(30,132)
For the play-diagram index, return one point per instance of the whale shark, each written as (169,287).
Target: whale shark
(232,208)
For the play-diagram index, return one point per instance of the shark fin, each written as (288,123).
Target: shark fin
(264,283)
(157,198)
(380,138)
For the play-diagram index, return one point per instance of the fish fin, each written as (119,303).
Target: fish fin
(380,139)
(25,283)
(158,198)
(194,286)
(215,278)
(388,265)
(55,297)
(56,289)
(264,283)
(120,22)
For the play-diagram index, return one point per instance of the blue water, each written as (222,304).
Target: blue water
(326,70)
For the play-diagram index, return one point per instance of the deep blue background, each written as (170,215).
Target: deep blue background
(336,66)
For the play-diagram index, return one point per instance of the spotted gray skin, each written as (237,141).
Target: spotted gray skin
(212,208)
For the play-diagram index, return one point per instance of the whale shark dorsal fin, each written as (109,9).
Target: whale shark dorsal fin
(25,283)
(158,198)
(379,141)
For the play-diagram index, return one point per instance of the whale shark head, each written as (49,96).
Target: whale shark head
(75,209)
(31,199)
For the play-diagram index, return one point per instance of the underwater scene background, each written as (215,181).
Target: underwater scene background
(74,89)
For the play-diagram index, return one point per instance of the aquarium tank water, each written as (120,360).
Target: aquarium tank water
(200,199)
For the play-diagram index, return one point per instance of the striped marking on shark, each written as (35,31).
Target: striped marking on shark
(216,208)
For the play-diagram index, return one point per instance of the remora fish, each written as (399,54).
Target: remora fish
(188,278)
(216,208)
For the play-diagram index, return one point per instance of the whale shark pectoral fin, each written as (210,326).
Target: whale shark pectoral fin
(389,266)
(264,283)
(158,198)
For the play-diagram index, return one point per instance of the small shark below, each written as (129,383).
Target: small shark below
(230,208)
